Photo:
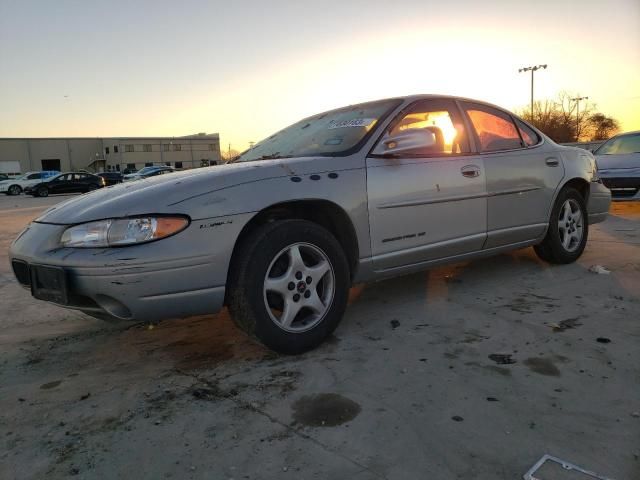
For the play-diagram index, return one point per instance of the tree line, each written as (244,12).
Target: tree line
(565,120)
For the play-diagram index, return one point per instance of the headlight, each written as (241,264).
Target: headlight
(118,232)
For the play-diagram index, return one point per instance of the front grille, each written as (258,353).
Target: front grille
(623,192)
(21,271)
(622,182)
(622,187)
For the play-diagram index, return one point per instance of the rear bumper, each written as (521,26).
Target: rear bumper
(599,202)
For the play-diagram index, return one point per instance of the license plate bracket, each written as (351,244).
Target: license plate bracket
(49,283)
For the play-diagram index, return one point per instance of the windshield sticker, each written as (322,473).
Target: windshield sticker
(333,141)
(355,122)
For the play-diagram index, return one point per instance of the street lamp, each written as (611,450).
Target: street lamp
(532,69)
(577,100)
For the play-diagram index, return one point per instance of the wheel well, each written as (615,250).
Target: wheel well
(323,212)
(581,185)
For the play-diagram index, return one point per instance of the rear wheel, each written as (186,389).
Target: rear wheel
(290,285)
(14,190)
(568,229)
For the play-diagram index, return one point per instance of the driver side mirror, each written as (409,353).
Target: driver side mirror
(411,140)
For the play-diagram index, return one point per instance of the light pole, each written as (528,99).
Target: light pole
(577,100)
(532,69)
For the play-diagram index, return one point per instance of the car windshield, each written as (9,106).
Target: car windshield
(333,133)
(620,145)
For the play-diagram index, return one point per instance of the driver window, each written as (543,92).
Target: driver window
(440,117)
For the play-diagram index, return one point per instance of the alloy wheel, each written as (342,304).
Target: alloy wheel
(570,225)
(299,287)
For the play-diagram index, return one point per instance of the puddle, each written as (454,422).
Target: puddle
(324,410)
(543,366)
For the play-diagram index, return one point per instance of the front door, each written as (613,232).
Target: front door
(60,184)
(428,204)
(522,175)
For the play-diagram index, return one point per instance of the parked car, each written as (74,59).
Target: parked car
(71,182)
(4,176)
(111,178)
(356,194)
(618,162)
(147,172)
(15,186)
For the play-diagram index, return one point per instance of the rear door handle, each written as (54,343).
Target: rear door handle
(470,171)
(552,162)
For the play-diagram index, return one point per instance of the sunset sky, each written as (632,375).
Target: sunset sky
(247,68)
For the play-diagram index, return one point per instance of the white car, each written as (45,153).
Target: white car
(16,186)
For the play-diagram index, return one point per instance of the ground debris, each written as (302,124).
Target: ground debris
(394,323)
(565,324)
(603,340)
(599,269)
(502,358)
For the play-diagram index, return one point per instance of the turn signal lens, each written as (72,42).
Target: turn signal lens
(122,231)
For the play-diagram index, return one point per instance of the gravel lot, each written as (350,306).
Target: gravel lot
(471,371)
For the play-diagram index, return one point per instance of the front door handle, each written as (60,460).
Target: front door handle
(552,162)
(470,171)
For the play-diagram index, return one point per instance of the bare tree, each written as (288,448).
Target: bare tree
(229,154)
(561,119)
(603,127)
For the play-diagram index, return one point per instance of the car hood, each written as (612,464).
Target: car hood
(629,161)
(175,193)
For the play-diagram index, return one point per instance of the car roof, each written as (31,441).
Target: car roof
(417,97)
(635,132)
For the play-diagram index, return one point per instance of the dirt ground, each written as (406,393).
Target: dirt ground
(471,371)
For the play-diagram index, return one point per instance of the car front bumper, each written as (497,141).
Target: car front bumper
(175,277)
(599,202)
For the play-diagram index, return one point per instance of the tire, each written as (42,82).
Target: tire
(92,187)
(42,192)
(568,229)
(14,190)
(262,276)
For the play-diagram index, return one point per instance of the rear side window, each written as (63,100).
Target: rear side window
(529,135)
(494,129)
(34,176)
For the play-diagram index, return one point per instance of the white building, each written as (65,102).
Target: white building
(19,155)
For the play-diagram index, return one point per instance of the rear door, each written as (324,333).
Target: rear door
(430,204)
(522,175)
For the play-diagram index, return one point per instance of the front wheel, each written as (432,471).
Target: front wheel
(14,190)
(43,192)
(568,229)
(289,286)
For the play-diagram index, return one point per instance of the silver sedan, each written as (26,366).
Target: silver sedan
(618,161)
(279,235)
